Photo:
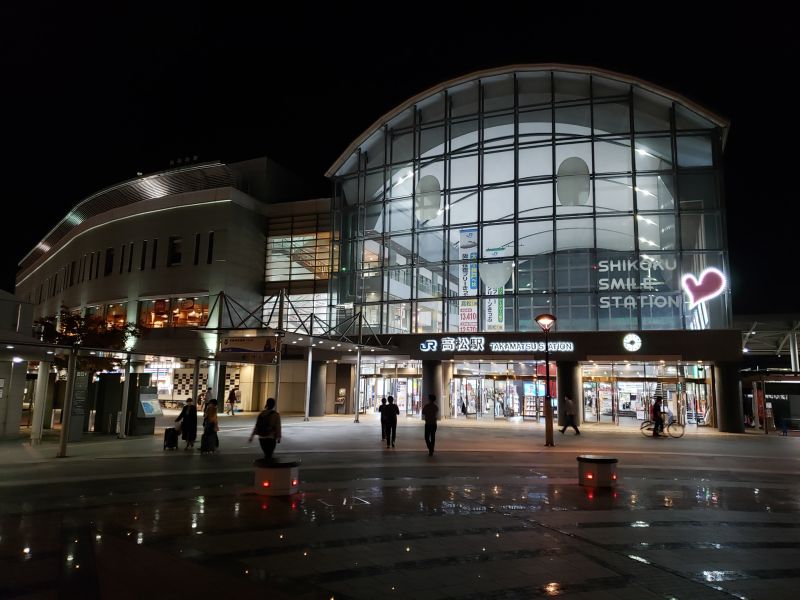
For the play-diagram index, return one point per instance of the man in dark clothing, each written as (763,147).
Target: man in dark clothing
(430,413)
(391,412)
(569,415)
(658,419)
(268,429)
(382,411)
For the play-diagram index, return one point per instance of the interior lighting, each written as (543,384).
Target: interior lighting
(265,484)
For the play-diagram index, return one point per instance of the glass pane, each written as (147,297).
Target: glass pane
(430,246)
(697,191)
(402,184)
(611,118)
(694,151)
(498,203)
(573,121)
(430,281)
(710,312)
(373,188)
(373,219)
(372,251)
(615,233)
(535,125)
(574,233)
(463,135)
(576,312)
(498,240)
(399,283)
(498,167)
(613,194)
(399,215)
(498,93)
(533,88)
(117,314)
(397,318)
(688,119)
(571,86)
(613,156)
(656,232)
(535,237)
(498,131)
(536,162)
(530,307)
(189,312)
(431,141)
(464,171)
(463,207)
(429,317)
(575,272)
(536,200)
(398,251)
(402,147)
(464,99)
(431,108)
(661,311)
(369,283)
(655,192)
(608,87)
(154,313)
(535,274)
(700,231)
(653,154)
(650,111)
(375,149)
(497,313)
(659,273)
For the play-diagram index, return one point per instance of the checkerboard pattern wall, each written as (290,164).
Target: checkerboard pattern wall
(183,379)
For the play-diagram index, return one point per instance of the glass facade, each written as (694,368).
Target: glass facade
(494,200)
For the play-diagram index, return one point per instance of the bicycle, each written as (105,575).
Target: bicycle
(674,429)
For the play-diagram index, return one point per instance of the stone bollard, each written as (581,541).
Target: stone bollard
(597,471)
(278,477)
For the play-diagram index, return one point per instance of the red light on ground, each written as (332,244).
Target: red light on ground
(265,483)
(614,476)
(294,482)
(589,476)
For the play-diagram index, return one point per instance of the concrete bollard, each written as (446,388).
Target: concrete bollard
(597,471)
(278,477)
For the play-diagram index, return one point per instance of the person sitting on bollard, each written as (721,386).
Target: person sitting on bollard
(268,429)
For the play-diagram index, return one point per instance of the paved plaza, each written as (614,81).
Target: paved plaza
(493,514)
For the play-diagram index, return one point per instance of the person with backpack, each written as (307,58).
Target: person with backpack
(268,429)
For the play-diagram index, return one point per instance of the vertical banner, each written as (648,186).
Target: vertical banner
(80,396)
(468,309)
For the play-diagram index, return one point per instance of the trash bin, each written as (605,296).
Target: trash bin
(597,471)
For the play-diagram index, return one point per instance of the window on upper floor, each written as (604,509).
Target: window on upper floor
(175,251)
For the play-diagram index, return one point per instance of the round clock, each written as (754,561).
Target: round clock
(632,342)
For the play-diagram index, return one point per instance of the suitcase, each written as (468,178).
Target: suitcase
(170,438)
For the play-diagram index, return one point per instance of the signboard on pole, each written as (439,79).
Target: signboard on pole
(80,397)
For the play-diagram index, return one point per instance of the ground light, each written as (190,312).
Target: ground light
(546,321)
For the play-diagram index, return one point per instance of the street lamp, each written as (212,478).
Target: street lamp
(546,321)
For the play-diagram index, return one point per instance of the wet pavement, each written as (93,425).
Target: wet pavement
(492,514)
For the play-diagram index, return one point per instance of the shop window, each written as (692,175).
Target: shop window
(154,313)
(116,314)
(175,251)
(189,312)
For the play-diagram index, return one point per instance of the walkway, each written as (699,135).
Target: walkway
(493,514)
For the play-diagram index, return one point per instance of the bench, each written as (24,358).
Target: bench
(597,471)
(277,477)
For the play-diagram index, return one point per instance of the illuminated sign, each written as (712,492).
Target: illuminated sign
(710,284)
(628,275)
(478,344)
(632,342)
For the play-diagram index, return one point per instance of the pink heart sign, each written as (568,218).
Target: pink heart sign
(710,284)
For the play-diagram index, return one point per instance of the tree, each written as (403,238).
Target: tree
(70,329)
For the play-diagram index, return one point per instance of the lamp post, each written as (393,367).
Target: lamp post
(546,321)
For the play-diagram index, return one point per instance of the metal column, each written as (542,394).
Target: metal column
(308,380)
(42,380)
(357,386)
(123,413)
(72,367)
(793,351)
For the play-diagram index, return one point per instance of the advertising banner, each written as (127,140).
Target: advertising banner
(468,309)
(262,349)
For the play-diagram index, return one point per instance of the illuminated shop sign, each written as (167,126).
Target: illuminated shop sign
(710,284)
(646,275)
(478,344)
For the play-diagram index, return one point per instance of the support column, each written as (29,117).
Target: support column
(196,380)
(219,386)
(123,410)
(42,379)
(319,377)
(308,382)
(728,397)
(568,375)
(72,368)
(793,351)
(446,405)
(431,382)
(277,377)
(357,385)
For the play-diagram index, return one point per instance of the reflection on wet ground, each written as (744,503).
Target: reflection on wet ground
(443,533)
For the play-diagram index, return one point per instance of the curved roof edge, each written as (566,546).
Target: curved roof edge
(651,87)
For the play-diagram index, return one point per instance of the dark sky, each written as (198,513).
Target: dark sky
(91,96)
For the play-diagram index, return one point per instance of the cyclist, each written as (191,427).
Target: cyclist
(657,418)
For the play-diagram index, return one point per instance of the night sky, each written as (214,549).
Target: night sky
(90,97)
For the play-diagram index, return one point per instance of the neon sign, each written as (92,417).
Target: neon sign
(710,284)
(478,344)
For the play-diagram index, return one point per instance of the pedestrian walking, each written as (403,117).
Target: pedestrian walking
(268,429)
(430,413)
(209,442)
(391,413)
(382,411)
(188,421)
(463,407)
(231,402)
(569,415)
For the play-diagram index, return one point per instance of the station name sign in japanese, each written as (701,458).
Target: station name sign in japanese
(477,343)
